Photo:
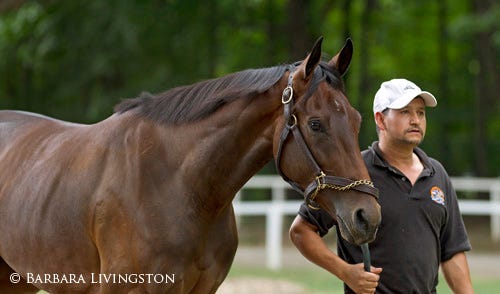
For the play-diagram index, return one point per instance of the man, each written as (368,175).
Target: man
(421,226)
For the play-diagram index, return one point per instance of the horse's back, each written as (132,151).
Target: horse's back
(13,123)
(10,119)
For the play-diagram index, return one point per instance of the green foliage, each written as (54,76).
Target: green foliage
(75,59)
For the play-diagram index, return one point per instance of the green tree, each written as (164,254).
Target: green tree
(75,59)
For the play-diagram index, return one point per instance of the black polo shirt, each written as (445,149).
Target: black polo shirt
(421,225)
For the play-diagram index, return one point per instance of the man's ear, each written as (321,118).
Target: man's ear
(379,120)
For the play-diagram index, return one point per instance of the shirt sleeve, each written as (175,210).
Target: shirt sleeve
(317,217)
(454,237)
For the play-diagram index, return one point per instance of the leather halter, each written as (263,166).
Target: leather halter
(321,181)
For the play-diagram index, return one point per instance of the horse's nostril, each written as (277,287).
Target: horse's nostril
(360,220)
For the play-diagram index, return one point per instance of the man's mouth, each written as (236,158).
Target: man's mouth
(415,131)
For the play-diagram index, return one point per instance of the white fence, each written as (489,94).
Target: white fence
(275,209)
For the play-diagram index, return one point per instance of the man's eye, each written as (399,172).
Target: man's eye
(315,125)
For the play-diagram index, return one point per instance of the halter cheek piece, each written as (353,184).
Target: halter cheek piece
(321,181)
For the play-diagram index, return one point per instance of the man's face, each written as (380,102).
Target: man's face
(406,125)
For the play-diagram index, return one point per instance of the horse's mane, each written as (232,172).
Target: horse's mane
(197,101)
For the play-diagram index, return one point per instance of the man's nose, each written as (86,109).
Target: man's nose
(414,118)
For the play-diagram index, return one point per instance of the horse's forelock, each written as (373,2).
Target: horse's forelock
(324,73)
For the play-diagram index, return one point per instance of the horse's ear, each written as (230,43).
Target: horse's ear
(342,60)
(306,68)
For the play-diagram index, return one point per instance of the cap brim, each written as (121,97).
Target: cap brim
(429,99)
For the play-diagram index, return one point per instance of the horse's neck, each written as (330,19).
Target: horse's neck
(223,151)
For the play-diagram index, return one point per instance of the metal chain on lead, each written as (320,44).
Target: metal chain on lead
(322,186)
(347,187)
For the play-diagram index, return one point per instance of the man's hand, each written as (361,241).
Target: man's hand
(361,281)
(305,237)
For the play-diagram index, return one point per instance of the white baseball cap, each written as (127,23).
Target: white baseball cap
(397,93)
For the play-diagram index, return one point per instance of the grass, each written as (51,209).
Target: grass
(315,280)
(318,281)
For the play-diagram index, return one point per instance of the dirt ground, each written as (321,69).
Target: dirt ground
(259,286)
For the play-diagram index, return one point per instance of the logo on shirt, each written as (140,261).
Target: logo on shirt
(437,195)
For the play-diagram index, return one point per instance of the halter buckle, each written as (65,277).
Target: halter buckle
(292,121)
(287,95)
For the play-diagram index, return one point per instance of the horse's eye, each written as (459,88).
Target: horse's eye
(315,125)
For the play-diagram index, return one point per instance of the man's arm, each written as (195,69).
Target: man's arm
(456,273)
(305,237)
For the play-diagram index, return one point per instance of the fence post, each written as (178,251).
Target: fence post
(495,215)
(237,216)
(274,227)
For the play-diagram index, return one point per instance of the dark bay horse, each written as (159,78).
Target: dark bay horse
(146,195)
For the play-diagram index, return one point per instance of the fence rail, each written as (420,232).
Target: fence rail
(278,206)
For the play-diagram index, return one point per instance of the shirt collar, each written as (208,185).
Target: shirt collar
(378,160)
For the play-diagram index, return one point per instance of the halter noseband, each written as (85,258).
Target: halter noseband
(322,181)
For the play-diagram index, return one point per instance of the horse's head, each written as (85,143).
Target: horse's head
(316,145)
